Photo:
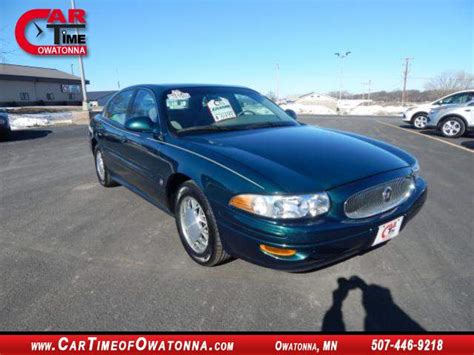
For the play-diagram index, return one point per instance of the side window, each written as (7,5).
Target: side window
(118,107)
(462,98)
(144,105)
(457,99)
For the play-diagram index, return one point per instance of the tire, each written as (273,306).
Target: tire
(103,176)
(206,253)
(5,135)
(452,127)
(420,121)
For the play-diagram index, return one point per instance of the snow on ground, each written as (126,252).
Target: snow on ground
(19,121)
(309,109)
(377,110)
(371,110)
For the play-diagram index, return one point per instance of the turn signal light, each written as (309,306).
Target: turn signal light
(277,251)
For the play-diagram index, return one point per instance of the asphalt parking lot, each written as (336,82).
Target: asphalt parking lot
(76,256)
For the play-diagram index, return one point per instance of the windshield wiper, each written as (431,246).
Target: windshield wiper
(203,129)
(234,127)
(265,125)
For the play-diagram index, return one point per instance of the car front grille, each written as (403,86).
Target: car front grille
(379,198)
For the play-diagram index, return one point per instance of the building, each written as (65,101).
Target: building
(22,85)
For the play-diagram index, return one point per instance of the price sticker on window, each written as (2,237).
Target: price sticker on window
(221,109)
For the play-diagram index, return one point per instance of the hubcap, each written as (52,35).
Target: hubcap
(451,128)
(421,121)
(99,164)
(194,224)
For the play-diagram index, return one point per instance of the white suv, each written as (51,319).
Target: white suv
(418,115)
(452,121)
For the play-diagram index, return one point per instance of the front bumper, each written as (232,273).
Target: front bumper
(318,243)
(405,117)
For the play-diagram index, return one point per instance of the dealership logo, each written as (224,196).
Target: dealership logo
(64,42)
(387,194)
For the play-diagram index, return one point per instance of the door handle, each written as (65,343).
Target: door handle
(468,110)
(123,139)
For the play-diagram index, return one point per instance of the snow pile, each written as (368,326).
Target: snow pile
(376,110)
(25,121)
(18,121)
(309,109)
(347,104)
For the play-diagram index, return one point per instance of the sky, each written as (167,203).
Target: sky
(241,42)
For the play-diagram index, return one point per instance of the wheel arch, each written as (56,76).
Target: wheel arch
(172,185)
(418,113)
(93,144)
(447,117)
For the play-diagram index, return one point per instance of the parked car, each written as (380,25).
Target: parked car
(245,179)
(452,121)
(5,129)
(417,116)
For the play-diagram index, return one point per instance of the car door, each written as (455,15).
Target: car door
(112,133)
(470,113)
(147,166)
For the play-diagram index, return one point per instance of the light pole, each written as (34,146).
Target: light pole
(277,68)
(81,70)
(341,56)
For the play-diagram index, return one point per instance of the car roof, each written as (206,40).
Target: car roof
(159,88)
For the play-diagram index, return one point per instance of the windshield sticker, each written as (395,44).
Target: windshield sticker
(177,100)
(221,109)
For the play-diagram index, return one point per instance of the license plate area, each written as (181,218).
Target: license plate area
(388,231)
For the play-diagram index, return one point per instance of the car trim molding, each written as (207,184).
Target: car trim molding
(210,160)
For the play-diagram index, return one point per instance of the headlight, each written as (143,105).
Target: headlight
(285,207)
(415,169)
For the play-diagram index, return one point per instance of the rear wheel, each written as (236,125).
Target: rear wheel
(197,226)
(5,135)
(453,127)
(420,121)
(103,174)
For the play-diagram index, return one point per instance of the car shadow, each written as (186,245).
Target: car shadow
(26,134)
(468,144)
(381,312)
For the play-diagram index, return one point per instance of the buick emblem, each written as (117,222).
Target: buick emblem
(387,194)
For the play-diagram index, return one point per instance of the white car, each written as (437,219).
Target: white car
(417,116)
(452,121)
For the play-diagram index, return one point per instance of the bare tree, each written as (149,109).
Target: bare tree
(449,82)
(271,95)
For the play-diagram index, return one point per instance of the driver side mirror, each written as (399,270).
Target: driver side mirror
(139,124)
(292,114)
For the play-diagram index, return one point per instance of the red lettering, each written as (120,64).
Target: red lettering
(56,16)
(77,14)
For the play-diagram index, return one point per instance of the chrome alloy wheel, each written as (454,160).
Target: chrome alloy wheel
(420,121)
(194,224)
(99,165)
(451,128)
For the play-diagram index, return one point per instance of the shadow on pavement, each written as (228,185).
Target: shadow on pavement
(381,313)
(26,134)
(468,144)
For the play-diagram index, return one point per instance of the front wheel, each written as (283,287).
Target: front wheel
(453,127)
(103,174)
(197,226)
(420,121)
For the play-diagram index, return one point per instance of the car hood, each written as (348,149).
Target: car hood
(301,158)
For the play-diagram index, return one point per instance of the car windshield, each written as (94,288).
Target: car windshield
(221,109)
